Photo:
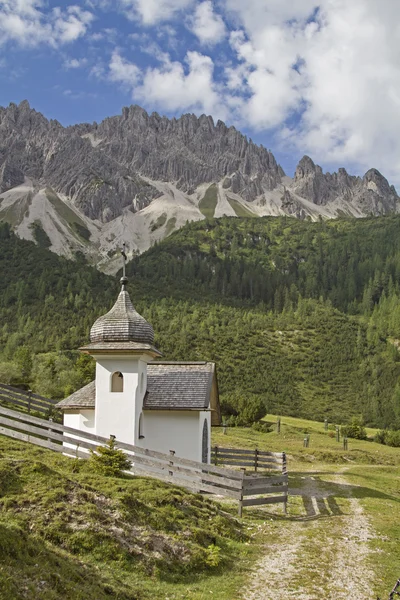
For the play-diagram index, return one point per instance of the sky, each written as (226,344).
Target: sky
(297,76)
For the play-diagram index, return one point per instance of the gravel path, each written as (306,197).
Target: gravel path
(322,553)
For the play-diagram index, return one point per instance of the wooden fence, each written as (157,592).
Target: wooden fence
(192,475)
(267,482)
(27,401)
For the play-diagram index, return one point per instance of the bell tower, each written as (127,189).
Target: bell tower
(122,343)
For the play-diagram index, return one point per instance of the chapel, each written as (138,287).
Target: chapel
(138,398)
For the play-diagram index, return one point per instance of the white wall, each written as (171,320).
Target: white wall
(117,413)
(175,430)
(82,420)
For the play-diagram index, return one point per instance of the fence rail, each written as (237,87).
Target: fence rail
(254,485)
(247,490)
(26,400)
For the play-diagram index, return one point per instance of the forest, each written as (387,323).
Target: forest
(301,318)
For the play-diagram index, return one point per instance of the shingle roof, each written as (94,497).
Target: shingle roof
(83,398)
(122,324)
(170,386)
(120,347)
(178,386)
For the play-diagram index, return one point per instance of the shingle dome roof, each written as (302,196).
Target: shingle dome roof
(122,324)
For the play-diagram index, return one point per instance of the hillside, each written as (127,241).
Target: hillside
(274,261)
(68,532)
(137,177)
(291,348)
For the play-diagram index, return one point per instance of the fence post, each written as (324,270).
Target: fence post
(215,455)
(284,472)
(345,443)
(255,459)
(50,421)
(240,508)
(224,428)
(171,462)
(337,433)
(29,401)
(326,424)
(278,425)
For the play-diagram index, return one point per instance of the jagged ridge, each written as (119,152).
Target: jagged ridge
(136,177)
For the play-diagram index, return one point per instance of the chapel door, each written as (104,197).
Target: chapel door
(204,447)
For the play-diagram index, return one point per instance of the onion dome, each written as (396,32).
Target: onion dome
(122,323)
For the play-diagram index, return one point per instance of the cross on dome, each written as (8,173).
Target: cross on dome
(122,328)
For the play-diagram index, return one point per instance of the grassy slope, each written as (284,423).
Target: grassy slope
(67,532)
(208,203)
(240,210)
(372,473)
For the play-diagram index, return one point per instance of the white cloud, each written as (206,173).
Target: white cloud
(328,81)
(123,71)
(74,63)
(172,87)
(27,23)
(154,11)
(78,95)
(207,25)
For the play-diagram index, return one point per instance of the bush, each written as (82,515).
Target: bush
(262,427)
(109,461)
(392,438)
(388,437)
(355,430)
(243,410)
(379,437)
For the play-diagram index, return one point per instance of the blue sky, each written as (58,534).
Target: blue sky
(304,77)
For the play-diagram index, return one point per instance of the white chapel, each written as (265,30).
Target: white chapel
(139,399)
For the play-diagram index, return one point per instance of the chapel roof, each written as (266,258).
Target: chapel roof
(170,386)
(122,328)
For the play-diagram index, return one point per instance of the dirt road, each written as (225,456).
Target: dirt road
(320,552)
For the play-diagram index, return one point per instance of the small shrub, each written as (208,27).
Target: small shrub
(379,437)
(109,461)
(213,555)
(262,427)
(355,430)
(392,438)
(243,410)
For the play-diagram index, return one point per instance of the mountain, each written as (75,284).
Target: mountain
(137,177)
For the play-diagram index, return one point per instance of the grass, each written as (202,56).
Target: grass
(240,210)
(171,224)
(372,475)
(16,212)
(76,224)
(161,220)
(208,203)
(67,531)
(322,447)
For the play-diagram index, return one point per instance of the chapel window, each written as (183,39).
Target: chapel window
(117,382)
(141,432)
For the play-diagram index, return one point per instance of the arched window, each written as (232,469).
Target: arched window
(204,444)
(142,382)
(117,382)
(141,433)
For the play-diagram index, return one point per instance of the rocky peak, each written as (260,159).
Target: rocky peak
(306,168)
(375,181)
